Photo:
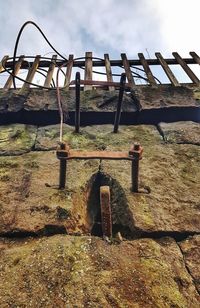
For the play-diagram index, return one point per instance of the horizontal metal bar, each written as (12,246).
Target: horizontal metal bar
(72,154)
(102,63)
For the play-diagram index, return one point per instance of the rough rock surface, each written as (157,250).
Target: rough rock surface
(181,132)
(191,252)
(67,271)
(74,269)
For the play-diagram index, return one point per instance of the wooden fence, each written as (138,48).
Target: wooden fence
(49,66)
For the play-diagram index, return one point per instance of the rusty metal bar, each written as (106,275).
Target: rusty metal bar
(134,155)
(73,154)
(106,219)
(119,104)
(135,152)
(100,83)
(77,112)
(63,165)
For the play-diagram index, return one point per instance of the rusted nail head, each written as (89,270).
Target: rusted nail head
(136,146)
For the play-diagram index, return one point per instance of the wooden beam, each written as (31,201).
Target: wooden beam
(88,70)
(31,73)
(127,69)
(69,71)
(108,71)
(167,70)
(99,63)
(4,59)
(147,70)
(186,68)
(195,57)
(18,64)
(50,72)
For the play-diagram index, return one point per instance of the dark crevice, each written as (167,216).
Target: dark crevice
(122,218)
(176,235)
(150,116)
(188,269)
(36,136)
(48,230)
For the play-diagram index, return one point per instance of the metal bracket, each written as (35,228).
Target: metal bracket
(134,155)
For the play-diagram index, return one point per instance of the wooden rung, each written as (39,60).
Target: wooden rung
(4,59)
(108,71)
(88,70)
(69,71)
(50,72)
(195,57)
(167,70)
(147,70)
(31,73)
(127,69)
(18,64)
(186,68)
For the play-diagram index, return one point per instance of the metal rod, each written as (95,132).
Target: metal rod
(63,169)
(77,112)
(119,105)
(135,167)
(106,217)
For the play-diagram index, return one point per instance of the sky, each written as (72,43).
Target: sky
(102,26)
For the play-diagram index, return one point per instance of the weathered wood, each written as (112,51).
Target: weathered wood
(186,68)
(18,64)
(31,73)
(167,70)
(69,71)
(127,69)
(99,63)
(195,57)
(4,59)
(108,71)
(147,70)
(50,72)
(88,70)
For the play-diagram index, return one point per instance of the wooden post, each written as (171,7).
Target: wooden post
(186,68)
(88,70)
(9,81)
(167,70)
(195,57)
(31,73)
(50,72)
(69,71)
(108,71)
(127,69)
(147,70)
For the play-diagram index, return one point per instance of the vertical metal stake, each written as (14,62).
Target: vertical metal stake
(63,169)
(77,112)
(135,168)
(119,105)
